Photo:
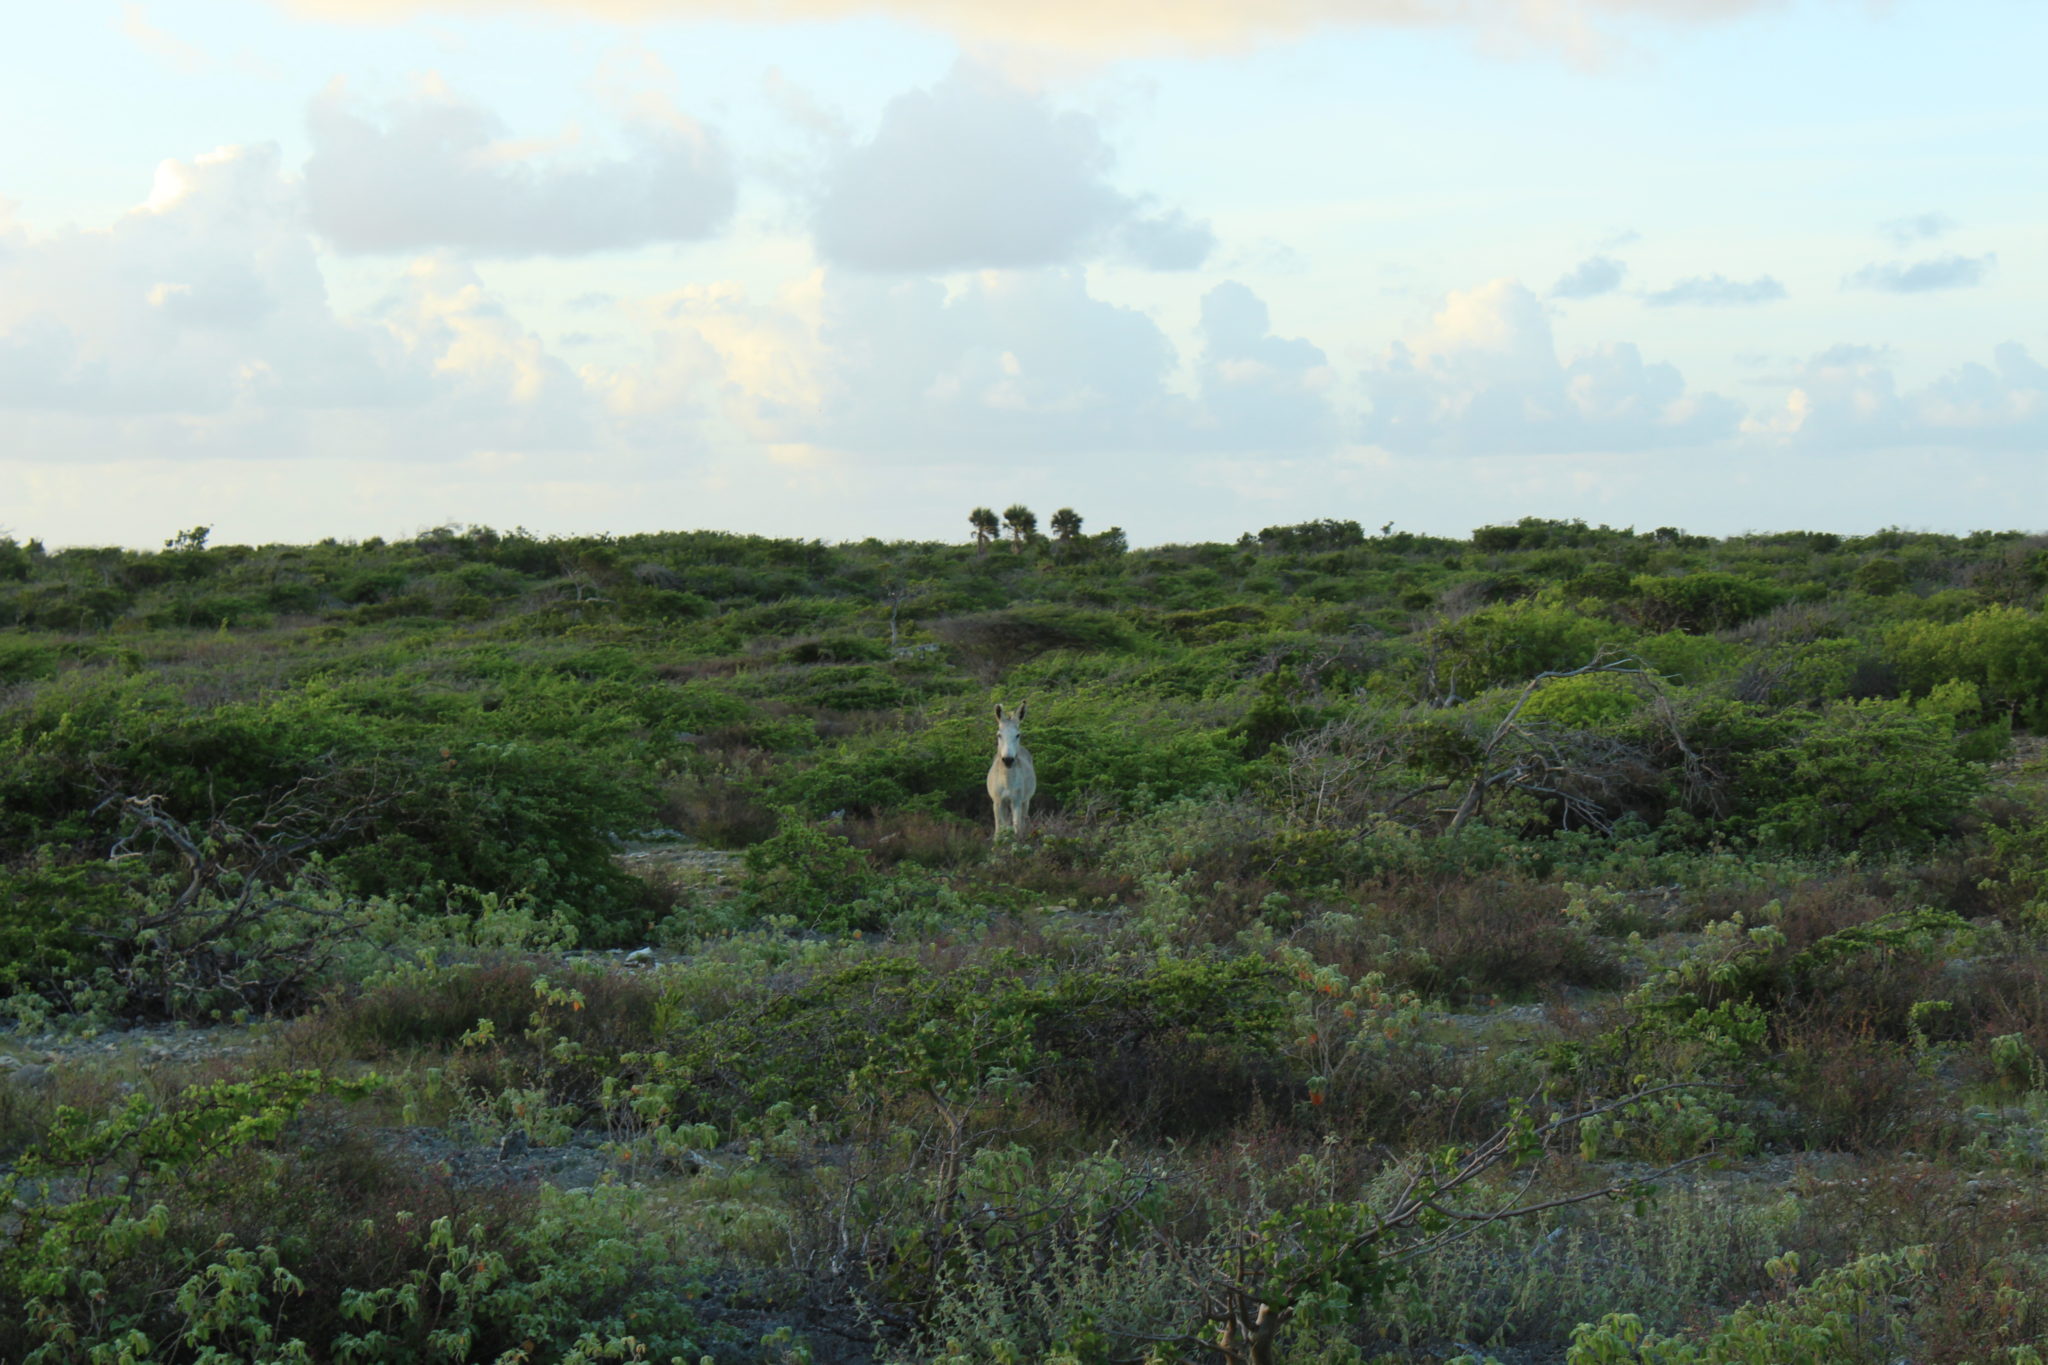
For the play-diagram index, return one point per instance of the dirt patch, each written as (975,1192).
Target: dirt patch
(512,1161)
(680,860)
(144,1045)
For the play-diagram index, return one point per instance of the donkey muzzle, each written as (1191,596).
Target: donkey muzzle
(1009,760)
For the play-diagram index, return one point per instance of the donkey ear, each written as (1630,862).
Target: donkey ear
(1020,709)
(999,710)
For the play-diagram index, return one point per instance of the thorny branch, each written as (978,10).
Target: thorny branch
(1361,768)
(241,927)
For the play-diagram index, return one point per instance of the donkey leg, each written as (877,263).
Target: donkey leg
(998,802)
(1020,812)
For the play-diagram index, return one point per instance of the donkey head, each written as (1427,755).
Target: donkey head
(1006,733)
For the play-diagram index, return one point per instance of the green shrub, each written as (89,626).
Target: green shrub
(1700,603)
(89,1271)
(1860,1312)
(1507,645)
(23,660)
(813,876)
(48,915)
(1873,774)
(841,648)
(2002,650)
(397,802)
(1173,1047)
(1596,701)
(853,687)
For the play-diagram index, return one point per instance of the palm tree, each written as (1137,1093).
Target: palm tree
(985,525)
(1066,524)
(1023,524)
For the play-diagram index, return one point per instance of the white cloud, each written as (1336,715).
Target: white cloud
(1259,391)
(1013,363)
(1847,398)
(199,326)
(207,297)
(437,171)
(977,173)
(491,375)
(1486,379)
(1919,277)
(1717,291)
(1166,241)
(1590,278)
(1917,227)
(1585,30)
(1022,365)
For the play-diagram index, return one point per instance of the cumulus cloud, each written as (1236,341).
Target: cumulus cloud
(1259,391)
(1847,398)
(1166,241)
(1590,278)
(1008,365)
(1717,291)
(484,359)
(1583,29)
(976,173)
(2003,405)
(206,297)
(1014,363)
(1486,379)
(1918,227)
(437,171)
(1919,277)
(199,325)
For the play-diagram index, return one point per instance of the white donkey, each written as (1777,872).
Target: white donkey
(1012,781)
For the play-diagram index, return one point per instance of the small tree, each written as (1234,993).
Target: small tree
(1023,524)
(983,520)
(1066,525)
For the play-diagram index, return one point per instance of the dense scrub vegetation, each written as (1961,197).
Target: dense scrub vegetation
(1562,943)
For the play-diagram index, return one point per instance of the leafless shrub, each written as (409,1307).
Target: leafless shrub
(2013,579)
(236,919)
(1853,1088)
(1465,597)
(720,803)
(1343,773)
(653,575)
(1794,623)
(1582,774)
(1464,937)
(918,837)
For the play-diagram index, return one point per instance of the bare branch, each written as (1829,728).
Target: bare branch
(244,926)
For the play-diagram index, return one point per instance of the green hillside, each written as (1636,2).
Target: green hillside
(1424,949)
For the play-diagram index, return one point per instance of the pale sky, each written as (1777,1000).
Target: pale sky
(301,268)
